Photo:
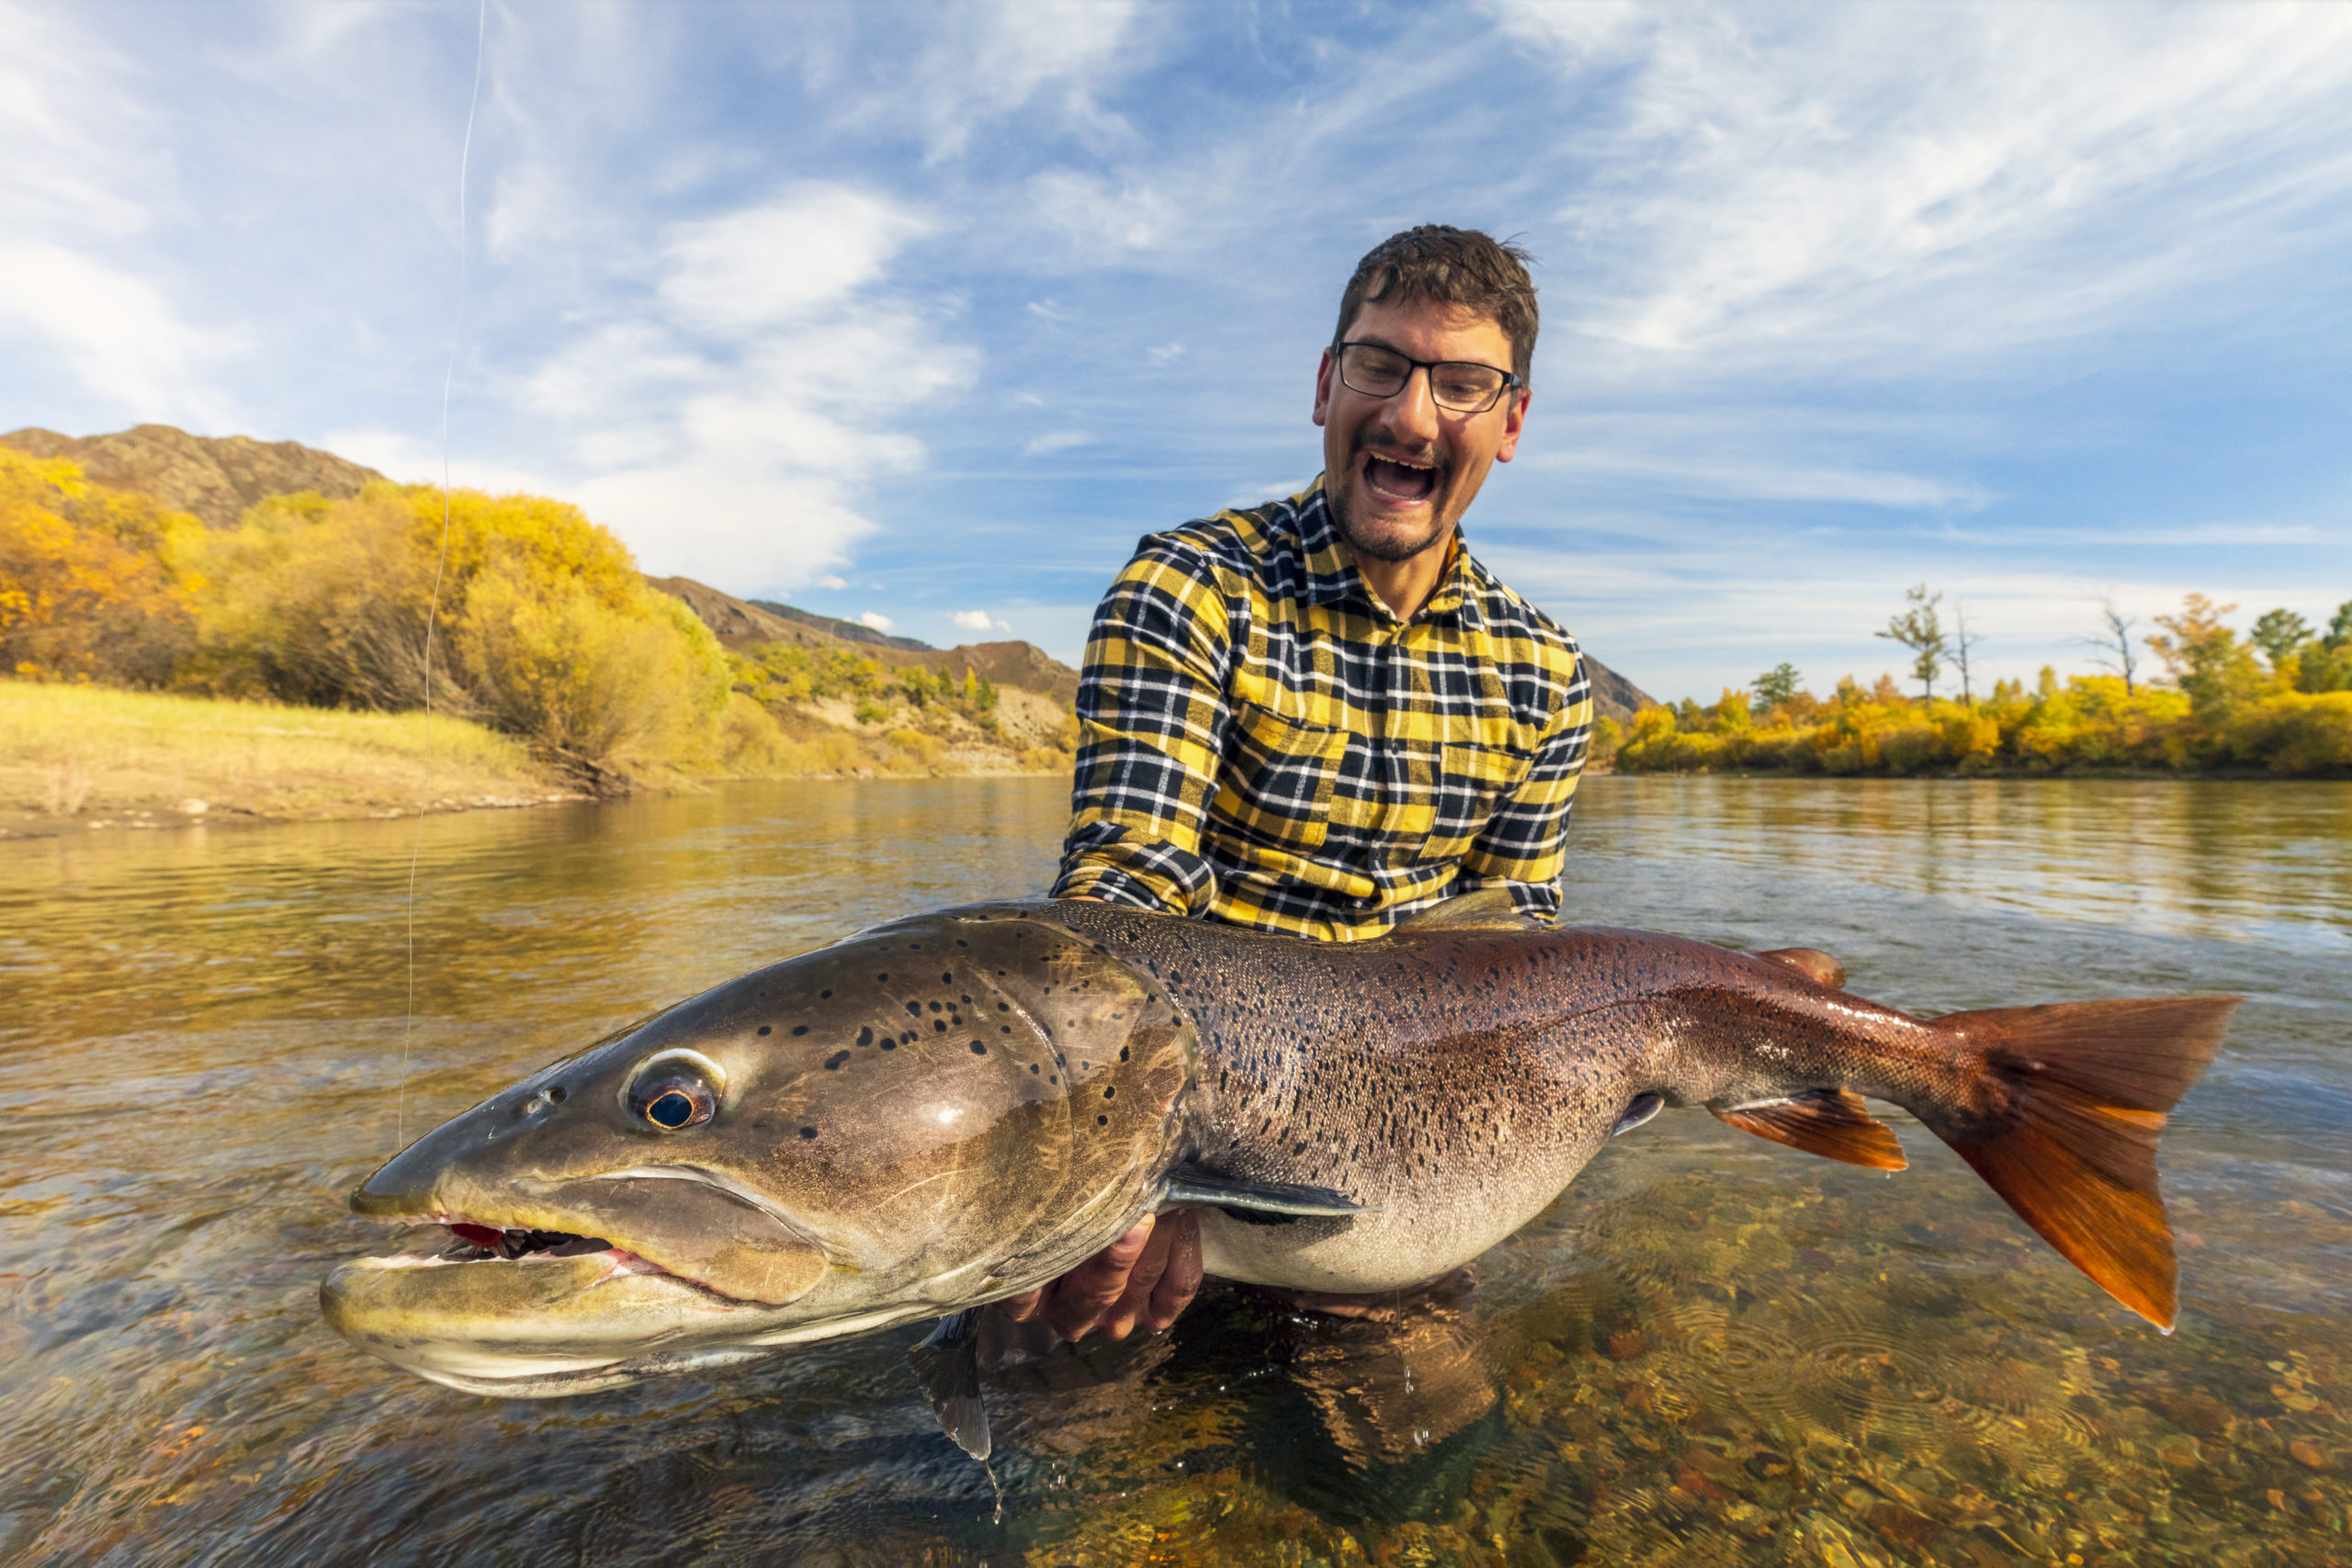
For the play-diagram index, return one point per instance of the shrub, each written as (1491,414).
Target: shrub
(86,594)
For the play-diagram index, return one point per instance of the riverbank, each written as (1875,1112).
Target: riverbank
(81,759)
(77,759)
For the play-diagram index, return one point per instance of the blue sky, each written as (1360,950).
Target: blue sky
(925,312)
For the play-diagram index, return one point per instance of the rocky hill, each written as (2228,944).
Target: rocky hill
(745,623)
(214,477)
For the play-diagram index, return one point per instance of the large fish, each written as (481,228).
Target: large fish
(941,1111)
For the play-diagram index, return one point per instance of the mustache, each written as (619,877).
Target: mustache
(1423,452)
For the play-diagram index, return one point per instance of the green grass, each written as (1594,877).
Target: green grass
(90,753)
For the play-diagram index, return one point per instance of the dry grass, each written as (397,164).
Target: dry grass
(89,754)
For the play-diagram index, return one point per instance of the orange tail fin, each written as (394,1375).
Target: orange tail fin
(2079,1093)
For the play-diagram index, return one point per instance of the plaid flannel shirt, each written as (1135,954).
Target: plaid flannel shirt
(1263,741)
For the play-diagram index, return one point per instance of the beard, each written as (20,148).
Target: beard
(1391,543)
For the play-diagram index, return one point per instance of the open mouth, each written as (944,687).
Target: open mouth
(1398,482)
(477,1244)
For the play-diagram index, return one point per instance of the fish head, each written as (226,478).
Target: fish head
(875,1132)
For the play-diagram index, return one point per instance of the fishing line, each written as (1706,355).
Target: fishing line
(440,565)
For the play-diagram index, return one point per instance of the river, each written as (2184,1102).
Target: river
(1712,1349)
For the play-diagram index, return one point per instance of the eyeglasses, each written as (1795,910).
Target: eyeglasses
(1463,386)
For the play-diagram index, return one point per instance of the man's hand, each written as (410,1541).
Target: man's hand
(1148,1276)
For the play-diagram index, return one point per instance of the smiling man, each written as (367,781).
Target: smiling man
(1322,714)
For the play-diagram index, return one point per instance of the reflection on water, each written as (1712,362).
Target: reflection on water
(1711,1350)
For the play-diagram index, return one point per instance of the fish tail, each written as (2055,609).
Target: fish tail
(2074,1096)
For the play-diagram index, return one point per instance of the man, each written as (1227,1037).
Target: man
(1321,715)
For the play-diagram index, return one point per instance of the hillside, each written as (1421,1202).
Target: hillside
(216,477)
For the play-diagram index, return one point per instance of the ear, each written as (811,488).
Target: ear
(1323,387)
(1514,416)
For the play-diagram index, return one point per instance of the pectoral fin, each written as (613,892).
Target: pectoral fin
(948,1365)
(1243,1199)
(1810,962)
(1830,1122)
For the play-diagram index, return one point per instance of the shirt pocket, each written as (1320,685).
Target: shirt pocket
(1472,782)
(1278,777)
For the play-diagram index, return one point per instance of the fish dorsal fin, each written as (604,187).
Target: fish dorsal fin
(1277,1202)
(1810,962)
(1831,1123)
(948,1365)
(1489,908)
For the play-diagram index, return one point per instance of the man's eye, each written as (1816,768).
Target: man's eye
(1465,386)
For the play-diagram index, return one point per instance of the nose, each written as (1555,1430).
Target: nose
(1412,411)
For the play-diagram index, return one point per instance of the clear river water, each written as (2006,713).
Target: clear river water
(1711,1349)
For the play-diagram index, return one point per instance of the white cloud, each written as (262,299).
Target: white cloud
(729,425)
(877,621)
(983,61)
(1764,480)
(828,580)
(1100,216)
(979,621)
(115,332)
(1855,183)
(1055,441)
(773,263)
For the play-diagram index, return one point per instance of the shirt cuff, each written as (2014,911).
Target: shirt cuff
(1104,860)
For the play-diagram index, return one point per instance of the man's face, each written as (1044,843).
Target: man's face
(1400,471)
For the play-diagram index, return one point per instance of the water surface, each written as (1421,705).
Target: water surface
(1711,1349)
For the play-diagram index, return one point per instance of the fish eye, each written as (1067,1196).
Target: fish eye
(676,1090)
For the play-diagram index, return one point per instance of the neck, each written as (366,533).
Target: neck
(1405,586)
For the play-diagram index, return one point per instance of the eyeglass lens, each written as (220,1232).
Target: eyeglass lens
(1460,385)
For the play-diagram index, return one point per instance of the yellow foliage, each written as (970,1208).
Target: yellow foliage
(84,592)
(534,620)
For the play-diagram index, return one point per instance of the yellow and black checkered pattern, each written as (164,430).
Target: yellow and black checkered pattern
(1263,741)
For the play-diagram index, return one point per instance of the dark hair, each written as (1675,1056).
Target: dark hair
(1450,267)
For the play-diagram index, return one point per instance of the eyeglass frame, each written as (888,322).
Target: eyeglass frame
(1339,367)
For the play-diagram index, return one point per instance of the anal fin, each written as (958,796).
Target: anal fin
(1831,1123)
(948,1365)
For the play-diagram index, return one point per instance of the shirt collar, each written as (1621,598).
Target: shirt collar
(1332,577)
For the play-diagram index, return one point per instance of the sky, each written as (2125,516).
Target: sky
(922,314)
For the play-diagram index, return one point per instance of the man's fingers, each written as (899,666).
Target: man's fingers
(1022,1307)
(1076,1303)
(1120,1321)
(1181,1281)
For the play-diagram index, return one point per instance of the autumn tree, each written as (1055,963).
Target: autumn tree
(1776,687)
(1921,630)
(2279,633)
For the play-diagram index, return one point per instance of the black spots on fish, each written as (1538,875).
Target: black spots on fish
(1299,1147)
(885,975)
(1052,1078)
(1102,1120)
(947,977)
(865,1035)
(967,1001)
(908,1038)
(1004,1029)
(934,1007)
(1223,1074)
(766,1030)
(833,1063)
(1004,1006)
(961,942)
(797,1030)
(1034,1069)
(939,1026)
(915,1008)
(891,1045)
(1001,974)
(1111,1093)
(808,1131)
(1123,1053)
(824,996)
(980,1048)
